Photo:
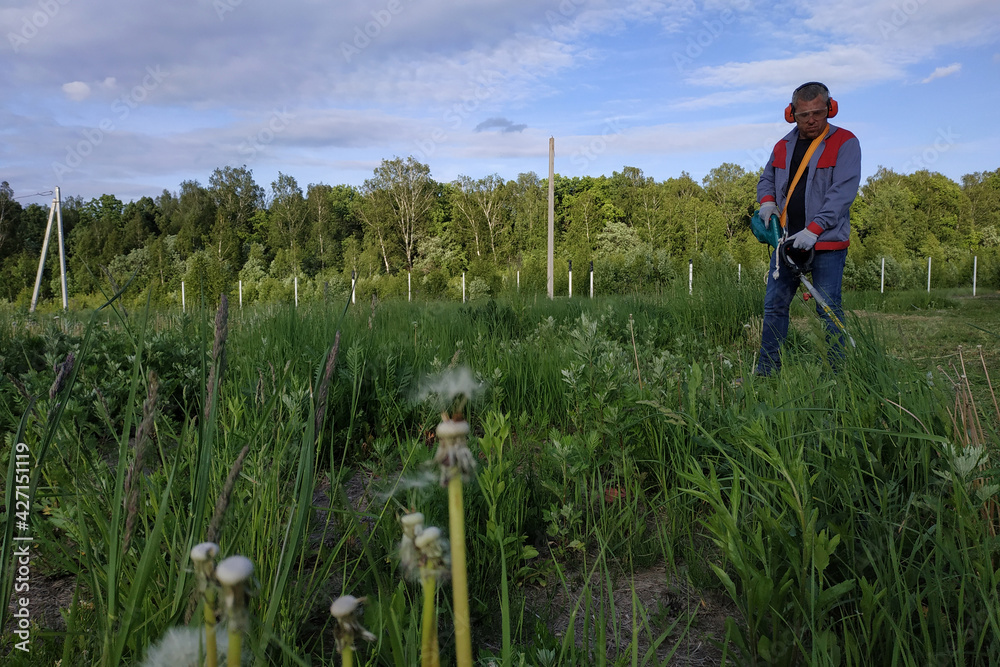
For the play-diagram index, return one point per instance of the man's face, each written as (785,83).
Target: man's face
(810,116)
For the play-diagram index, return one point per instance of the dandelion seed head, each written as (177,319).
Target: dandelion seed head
(234,570)
(204,551)
(449,385)
(184,647)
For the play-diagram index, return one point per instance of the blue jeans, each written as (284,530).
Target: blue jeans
(827,274)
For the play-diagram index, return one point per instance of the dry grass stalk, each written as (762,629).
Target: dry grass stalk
(971,399)
(142,436)
(989,382)
(227,491)
(218,352)
(969,433)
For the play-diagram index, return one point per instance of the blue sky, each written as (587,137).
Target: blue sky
(131,98)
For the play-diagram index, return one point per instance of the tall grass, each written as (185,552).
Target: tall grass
(839,513)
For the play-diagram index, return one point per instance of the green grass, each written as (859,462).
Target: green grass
(612,435)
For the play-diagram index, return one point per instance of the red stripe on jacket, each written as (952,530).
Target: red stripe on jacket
(832,148)
(780,154)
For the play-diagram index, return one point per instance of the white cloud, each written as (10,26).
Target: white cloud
(838,66)
(76,90)
(942,72)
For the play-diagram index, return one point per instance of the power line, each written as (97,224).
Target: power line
(37,194)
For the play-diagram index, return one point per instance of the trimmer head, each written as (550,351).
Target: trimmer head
(798,261)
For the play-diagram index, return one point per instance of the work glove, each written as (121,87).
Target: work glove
(767,209)
(803,240)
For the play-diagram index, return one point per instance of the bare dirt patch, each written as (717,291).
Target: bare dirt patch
(661,600)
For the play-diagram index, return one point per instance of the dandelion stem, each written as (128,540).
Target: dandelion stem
(211,657)
(347,656)
(460,587)
(429,646)
(235,647)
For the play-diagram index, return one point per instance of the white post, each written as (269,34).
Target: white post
(41,259)
(975,262)
(296,291)
(739,273)
(241,294)
(591,279)
(882,289)
(571,279)
(928,274)
(354,281)
(62,248)
(409,286)
(463,286)
(519,280)
(690,276)
(183,302)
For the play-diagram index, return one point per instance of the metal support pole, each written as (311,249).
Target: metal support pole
(591,279)
(883,277)
(241,294)
(928,274)
(571,279)
(690,276)
(354,280)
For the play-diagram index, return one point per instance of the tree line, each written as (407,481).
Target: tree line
(402,222)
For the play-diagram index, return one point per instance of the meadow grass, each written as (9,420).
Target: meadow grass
(849,518)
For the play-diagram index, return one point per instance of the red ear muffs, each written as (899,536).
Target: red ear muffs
(831,110)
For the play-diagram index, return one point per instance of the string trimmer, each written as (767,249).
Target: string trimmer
(799,269)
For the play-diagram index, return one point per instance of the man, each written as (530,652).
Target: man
(817,215)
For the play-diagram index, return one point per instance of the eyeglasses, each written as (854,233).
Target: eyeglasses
(806,115)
